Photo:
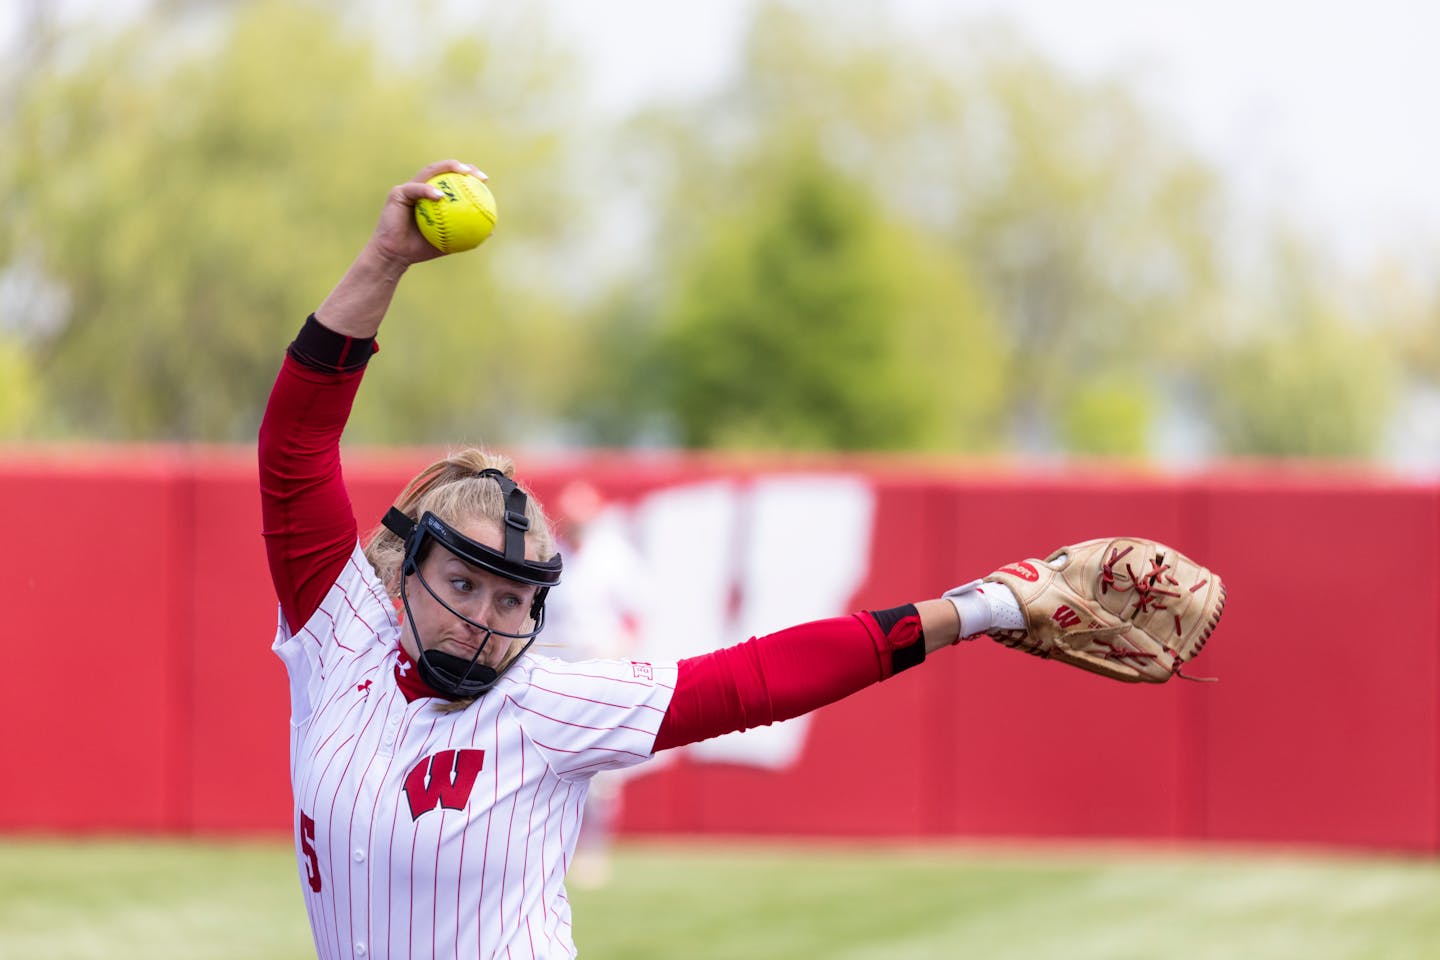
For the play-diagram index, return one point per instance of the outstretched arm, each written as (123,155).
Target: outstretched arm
(309,525)
(1127,608)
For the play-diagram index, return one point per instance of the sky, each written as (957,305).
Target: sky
(1322,109)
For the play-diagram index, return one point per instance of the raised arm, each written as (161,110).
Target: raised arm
(359,301)
(308,523)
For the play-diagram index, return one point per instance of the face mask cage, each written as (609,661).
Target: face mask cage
(447,673)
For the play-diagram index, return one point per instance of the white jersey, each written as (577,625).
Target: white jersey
(425,832)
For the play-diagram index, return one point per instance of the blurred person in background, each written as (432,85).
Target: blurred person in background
(597,616)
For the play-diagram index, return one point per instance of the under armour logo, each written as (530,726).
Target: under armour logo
(403,666)
(362,687)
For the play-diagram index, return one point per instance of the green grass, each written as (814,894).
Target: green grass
(119,900)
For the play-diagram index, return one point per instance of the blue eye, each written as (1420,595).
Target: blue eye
(462,586)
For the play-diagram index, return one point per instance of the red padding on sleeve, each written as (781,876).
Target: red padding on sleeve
(774,677)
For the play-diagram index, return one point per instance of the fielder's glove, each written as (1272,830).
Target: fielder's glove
(1127,608)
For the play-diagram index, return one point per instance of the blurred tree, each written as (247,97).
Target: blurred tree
(1309,378)
(19,393)
(807,321)
(1099,235)
(1069,243)
(1107,417)
(870,239)
(195,183)
(789,303)
(1409,300)
(1077,259)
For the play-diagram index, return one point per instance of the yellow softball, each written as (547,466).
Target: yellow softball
(462,218)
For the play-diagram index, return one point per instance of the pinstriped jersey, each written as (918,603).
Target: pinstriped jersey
(423,831)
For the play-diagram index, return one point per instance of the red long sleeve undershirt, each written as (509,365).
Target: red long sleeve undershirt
(307,521)
(310,531)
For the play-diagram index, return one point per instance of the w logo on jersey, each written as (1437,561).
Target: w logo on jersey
(444,779)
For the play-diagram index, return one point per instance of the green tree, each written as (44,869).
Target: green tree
(798,326)
(1408,297)
(195,183)
(869,239)
(1077,235)
(1098,233)
(19,393)
(1309,378)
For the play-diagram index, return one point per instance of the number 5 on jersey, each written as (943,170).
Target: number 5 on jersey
(307,847)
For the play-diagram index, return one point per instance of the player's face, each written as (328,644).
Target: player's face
(484,597)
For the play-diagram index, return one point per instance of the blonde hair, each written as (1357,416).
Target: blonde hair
(453,489)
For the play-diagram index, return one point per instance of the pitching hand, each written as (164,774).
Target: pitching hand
(396,236)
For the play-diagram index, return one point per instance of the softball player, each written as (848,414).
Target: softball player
(439,767)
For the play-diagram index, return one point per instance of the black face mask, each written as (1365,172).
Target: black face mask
(446,673)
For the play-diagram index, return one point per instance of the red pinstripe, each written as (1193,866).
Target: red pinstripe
(598,703)
(415,845)
(371,838)
(489,821)
(460,887)
(346,597)
(562,721)
(549,818)
(509,837)
(349,836)
(350,831)
(609,680)
(525,871)
(389,879)
(329,888)
(354,706)
(439,839)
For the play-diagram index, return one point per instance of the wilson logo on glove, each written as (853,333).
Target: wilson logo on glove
(1020,569)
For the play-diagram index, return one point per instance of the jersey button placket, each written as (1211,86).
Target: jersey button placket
(359,948)
(391,726)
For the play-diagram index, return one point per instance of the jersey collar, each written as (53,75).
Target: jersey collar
(407,677)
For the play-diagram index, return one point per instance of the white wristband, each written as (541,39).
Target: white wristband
(972,607)
(983,609)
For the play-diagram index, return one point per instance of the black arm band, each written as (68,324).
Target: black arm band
(913,653)
(320,348)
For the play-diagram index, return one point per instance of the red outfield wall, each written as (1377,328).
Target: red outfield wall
(142,696)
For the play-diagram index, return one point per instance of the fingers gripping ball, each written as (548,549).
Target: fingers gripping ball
(1130,609)
(462,218)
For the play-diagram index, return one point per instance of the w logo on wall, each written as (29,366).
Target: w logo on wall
(444,779)
(730,560)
